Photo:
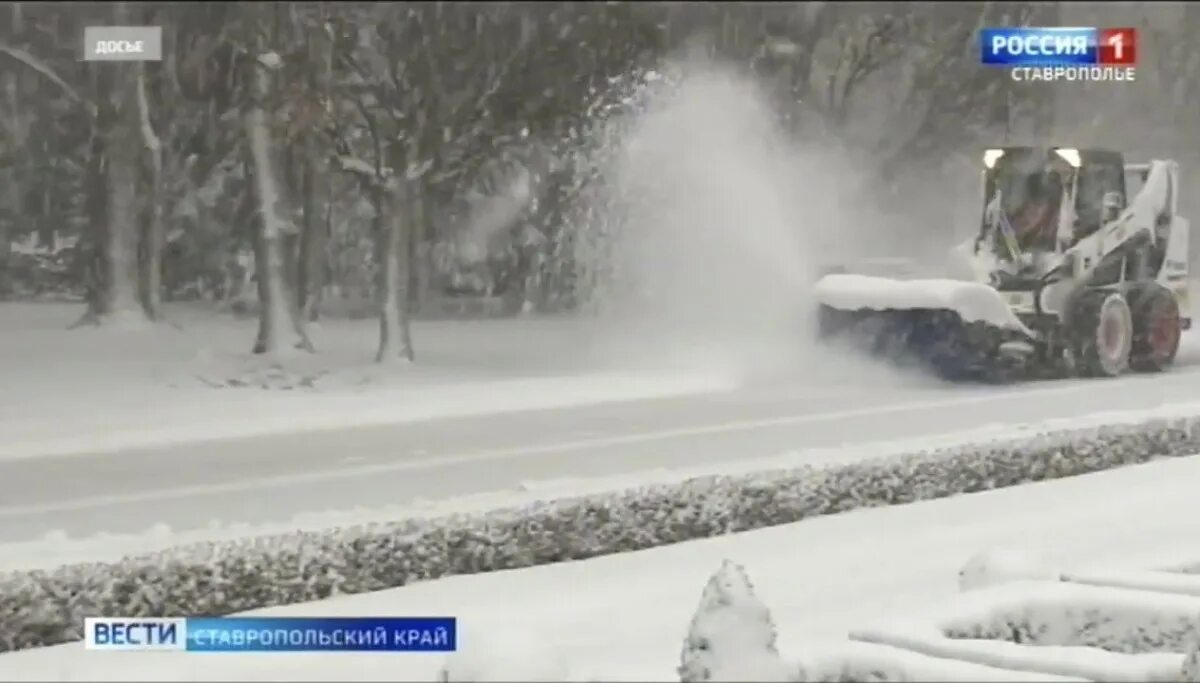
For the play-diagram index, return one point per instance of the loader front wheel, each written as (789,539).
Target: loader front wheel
(1156,328)
(1102,334)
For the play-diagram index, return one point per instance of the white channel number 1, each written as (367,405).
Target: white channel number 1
(1117,42)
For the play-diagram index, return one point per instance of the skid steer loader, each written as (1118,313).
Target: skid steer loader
(1066,277)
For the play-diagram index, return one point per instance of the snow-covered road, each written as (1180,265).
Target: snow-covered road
(274,477)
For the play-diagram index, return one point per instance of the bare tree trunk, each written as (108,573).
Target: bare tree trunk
(275,314)
(113,182)
(313,237)
(91,254)
(152,235)
(11,177)
(417,235)
(117,296)
(323,277)
(314,240)
(121,236)
(392,251)
(404,261)
(13,206)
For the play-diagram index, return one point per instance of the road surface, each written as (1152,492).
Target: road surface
(272,478)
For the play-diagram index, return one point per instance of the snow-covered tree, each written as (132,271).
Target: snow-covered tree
(732,635)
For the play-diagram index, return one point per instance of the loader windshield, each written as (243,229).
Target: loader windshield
(1028,185)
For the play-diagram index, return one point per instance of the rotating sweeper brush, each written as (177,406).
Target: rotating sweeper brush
(1069,278)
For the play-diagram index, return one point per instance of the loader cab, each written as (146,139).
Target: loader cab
(1023,195)
(1043,199)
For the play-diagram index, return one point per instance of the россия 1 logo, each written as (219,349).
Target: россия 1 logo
(1061,54)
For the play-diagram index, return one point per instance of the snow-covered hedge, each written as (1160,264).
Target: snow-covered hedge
(1081,615)
(46,607)
(1099,633)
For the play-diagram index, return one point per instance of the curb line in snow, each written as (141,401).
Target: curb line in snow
(40,608)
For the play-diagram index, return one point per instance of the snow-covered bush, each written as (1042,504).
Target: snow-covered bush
(1000,565)
(1079,615)
(47,607)
(732,635)
(1091,632)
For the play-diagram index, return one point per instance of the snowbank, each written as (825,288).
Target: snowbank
(861,661)
(973,301)
(1080,663)
(1099,633)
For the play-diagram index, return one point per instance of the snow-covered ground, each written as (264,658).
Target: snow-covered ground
(623,617)
(89,389)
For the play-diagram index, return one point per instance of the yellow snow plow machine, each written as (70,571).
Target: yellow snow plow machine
(1067,277)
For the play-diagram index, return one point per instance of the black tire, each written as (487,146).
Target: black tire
(1157,328)
(1101,333)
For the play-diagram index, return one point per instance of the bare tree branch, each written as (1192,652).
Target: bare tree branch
(44,69)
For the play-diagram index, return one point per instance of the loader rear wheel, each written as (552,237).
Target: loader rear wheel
(1102,334)
(1156,328)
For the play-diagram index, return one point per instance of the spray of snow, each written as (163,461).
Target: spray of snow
(489,215)
(715,225)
